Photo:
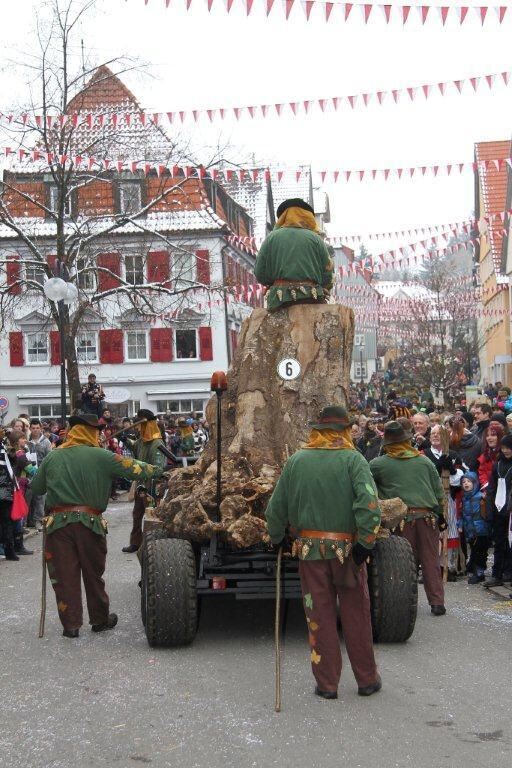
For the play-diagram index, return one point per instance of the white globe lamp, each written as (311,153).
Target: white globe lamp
(55,289)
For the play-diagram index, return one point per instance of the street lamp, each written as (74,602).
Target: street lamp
(361,351)
(61,292)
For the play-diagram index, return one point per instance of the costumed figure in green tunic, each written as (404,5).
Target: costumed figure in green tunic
(293,261)
(77,478)
(327,499)
(145,449)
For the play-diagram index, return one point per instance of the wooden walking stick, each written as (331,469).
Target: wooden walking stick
(445,478)
(277,631)
(43,585)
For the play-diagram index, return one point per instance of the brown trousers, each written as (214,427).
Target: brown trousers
(424,541)
(137,515)
(73,552)
(322,582)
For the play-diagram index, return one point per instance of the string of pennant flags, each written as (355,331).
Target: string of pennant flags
(345,12)
(120,120)
(253,174)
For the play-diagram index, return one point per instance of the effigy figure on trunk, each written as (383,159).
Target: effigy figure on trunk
(294,262)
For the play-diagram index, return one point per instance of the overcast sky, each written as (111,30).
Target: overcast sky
(198,59)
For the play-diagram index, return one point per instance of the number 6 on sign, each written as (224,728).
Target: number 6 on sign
(288,369)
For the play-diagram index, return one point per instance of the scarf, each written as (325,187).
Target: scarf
(150,431)
(402,450)
(297,217)
(81,435)
(331,439)
(186,431)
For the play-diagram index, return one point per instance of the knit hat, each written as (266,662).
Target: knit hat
(506,442)
(332,417)
(396,432)
(294,202)
(500,418)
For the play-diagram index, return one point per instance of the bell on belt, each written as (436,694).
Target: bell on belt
(305,551)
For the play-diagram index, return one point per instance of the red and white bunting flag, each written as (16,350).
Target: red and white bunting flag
(458,85)
(229,3)
(195,114)
(209,4)
(380,96)
(335,103)
(348,8)
(426,90)
(367,9)
(444,11)
(387,12)
(501,12)
(423,10)
(406,9)
(308,7)
(490,80)
(306,104)
(474,82)
(352,101)
(170,116)
(280,175)
(293,106)
(236,112)
(288,7)
(321,104)
(482,12)
(366,98)
(249,6)
(270,3)
(133,166)
(114,119)
(506,77)
(251,111)
(328,10)
(211,114)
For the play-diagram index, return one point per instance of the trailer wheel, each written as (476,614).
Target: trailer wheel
(153,535)
(169,592)
(393,587)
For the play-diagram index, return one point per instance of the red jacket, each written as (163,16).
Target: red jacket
(485,467)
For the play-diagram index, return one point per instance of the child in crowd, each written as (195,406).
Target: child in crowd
(475,527)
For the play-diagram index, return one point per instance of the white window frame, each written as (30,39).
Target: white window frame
(359,340)
(54,197)
(34,410)
(129,359)
(178,272)
(123,187)
(135,271)
(175,345)
(26,340)
(357,371)
(182,411)
(85,277)
(87,360)
(36,268)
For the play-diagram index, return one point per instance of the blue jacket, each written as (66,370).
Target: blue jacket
(472,520)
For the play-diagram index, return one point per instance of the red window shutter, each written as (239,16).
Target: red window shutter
(111,346)
(203,267)
(16,348)
(112,262)
(54,348)
(158,267)
(161,345)
(205,344)
(51,260)
(14,274)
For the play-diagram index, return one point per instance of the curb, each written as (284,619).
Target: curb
(502,592)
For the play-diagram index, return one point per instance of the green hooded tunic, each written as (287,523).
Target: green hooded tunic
(293,253)
(325,490)
(83,475)
(414,480)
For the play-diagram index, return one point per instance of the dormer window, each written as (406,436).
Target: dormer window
(130,197)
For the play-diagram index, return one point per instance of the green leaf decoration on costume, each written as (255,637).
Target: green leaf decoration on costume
(370,489)
(308,601)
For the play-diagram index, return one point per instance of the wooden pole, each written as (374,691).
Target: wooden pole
(277,631)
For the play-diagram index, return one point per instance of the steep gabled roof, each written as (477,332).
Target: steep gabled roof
(104,89)
(493,185)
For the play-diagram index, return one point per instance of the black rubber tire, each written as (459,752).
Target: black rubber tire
(170,596)
(152,535)
(393,586)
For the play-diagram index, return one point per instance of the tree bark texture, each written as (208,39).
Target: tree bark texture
(264,419)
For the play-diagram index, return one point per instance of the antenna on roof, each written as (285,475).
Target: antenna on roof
(83,59)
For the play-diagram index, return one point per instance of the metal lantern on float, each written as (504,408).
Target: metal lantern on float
(55,289)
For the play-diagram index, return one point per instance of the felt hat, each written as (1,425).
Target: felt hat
(144,413)
(396,432)
(294,202)
(87,419)
(332,417)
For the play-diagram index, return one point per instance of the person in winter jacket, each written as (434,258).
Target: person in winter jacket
(6,494)
(498,514)
(489,457)
(467,445)
(371,441)
(475,527)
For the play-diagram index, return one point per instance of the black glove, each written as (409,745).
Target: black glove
(441,523)
(445,462)
(359,553)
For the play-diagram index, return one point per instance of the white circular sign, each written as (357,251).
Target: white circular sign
(289,369)
(115,395)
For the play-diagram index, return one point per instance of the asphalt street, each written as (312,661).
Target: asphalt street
(111,700)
